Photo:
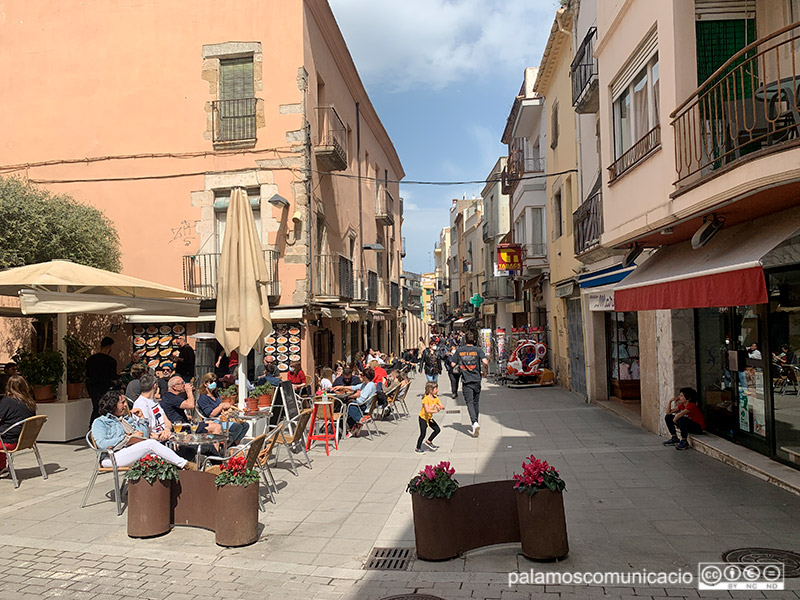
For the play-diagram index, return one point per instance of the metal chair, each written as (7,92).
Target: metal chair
(251,450)
(99,468)
(299,436)
(31,427)
(267,452)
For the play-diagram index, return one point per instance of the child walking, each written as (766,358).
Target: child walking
(430,406)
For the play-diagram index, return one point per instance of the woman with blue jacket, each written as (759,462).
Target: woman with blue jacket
(128,436)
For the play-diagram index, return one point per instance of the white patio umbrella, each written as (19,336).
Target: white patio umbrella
(243,318)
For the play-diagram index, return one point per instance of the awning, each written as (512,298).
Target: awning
(461,322)
(563,290)
(725,272)
(37,302)
(352,316)
(377,315)
(286,314)
(605,276)
(332,313)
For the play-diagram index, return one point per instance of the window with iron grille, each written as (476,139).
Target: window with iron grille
(235,111)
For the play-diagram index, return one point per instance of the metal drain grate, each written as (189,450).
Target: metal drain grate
(389,559)
(452,411)
(790,560)
(413,597)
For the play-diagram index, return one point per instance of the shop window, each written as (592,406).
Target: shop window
(623,355)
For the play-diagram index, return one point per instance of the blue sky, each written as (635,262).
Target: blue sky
(442,75)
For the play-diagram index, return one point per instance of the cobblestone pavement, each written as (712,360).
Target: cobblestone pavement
(631,505)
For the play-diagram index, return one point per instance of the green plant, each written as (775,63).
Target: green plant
(229,393)
(77,353)
(150,468)
(262,390)
(434,482)
(235,472)
(42,368)
(538,475)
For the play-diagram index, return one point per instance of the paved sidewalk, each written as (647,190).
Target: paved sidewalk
(631,504)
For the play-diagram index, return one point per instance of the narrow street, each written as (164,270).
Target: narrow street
(631,504)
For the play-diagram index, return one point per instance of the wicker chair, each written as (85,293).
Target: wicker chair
(298,437)
(99,468)
(31,427)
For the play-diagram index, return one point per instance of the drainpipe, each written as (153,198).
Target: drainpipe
(307,182)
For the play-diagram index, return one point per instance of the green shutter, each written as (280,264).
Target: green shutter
(236,78)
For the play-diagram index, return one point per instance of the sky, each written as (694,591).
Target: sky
(442,75)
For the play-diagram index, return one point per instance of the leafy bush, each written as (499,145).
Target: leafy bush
(262,390)
(42,368)
(77,353)
(150,468)
(234,472)
(538,475)
(434,482)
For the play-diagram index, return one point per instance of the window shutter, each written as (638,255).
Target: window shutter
(721,10)
(236,78)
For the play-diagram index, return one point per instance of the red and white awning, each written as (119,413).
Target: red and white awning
(727,271)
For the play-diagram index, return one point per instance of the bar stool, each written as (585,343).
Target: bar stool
(327,419)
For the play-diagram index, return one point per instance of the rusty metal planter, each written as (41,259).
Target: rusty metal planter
(148,508)
(542,525)
(237,515)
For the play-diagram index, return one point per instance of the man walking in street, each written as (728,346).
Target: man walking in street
(469,361)
(453,373)
(432,362)
(101,371)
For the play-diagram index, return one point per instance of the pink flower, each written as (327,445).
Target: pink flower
(430,473)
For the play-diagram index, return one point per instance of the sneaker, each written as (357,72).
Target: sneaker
(431,445)
(419,450)
(672,441)
(682,445)
(455,395)
(476,429)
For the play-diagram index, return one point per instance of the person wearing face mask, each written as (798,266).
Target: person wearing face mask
(432,362)
(211,406)
(298,379)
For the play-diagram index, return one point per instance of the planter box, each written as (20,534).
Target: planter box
(237,515)
(148,508)
(485,514)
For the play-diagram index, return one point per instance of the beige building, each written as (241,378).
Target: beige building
(159,127)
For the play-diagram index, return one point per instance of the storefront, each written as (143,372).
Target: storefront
(622,334)
(744,289)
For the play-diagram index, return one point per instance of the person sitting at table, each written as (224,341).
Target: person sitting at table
(326,379)
(159,426)
(210,405)
(346,379)
(128,436)
(175,405)
(270,374)
(359,402)
(16,404)
(298,379)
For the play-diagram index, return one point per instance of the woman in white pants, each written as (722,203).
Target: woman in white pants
(128,435)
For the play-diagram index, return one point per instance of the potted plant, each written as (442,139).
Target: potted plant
(431,492)
(540,509)
(264,394)
(149,496)
(43,370)
(237,492)
(77,354)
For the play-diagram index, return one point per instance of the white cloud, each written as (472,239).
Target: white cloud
(404,44)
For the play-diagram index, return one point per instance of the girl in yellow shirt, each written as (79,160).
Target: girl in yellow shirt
(430,406)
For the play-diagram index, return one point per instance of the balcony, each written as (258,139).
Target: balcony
(360,295)
(588,223)
(636,153)
(330,147)
(200,274)
(534,251)
(384,207)
(234,121)
(583,71)
(403,247)
(394,295)
(372,286)
(499,288)
(485,234)
(517,166)
(333,278)
(749,107)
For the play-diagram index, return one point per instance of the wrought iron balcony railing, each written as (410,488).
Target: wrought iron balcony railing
(234,120)
(588,223)
(330,147)
(333,277)
(750,104)
(200,272)
(372,286)
(583,70)
(636,153)
(384,207)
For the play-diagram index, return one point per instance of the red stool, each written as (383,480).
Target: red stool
(327,419)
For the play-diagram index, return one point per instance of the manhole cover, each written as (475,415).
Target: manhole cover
(413,597)
(790,560)
(453,411)
(389,559)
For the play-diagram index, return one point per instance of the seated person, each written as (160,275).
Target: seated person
(159,426)
(133,390)
(347,379)
(684,412)
(16,404)
(210,406)
(128,435)
(163,373)
(298,379)
(359,402)
(270,374)
(326,380)
(175,405)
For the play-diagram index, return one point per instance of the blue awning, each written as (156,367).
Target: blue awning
(605,276)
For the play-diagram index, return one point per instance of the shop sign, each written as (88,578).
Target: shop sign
(601,301)
(565,290)
(515,307)
(499,273)
(488,309)
(509,257)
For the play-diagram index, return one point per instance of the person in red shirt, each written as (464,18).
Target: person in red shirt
(298,378)
(684,413)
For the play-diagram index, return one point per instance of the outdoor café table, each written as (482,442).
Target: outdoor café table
(254,419)
(197,440)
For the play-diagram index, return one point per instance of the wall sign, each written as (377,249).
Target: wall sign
(601,301)
(283,345)
(509,257)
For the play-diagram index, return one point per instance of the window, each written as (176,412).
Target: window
(557,215)
(636,108)
(235,111)
(554,126)
(537,230)
(221,200)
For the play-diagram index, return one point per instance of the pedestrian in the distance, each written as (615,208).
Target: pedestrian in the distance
(453,373)
(432,363)
(469,361)
(101,371)
(430,406)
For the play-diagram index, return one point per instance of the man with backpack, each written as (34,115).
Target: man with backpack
(469,361)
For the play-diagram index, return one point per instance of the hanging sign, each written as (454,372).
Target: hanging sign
(509,257)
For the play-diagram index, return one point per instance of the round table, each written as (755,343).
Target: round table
(197,439)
